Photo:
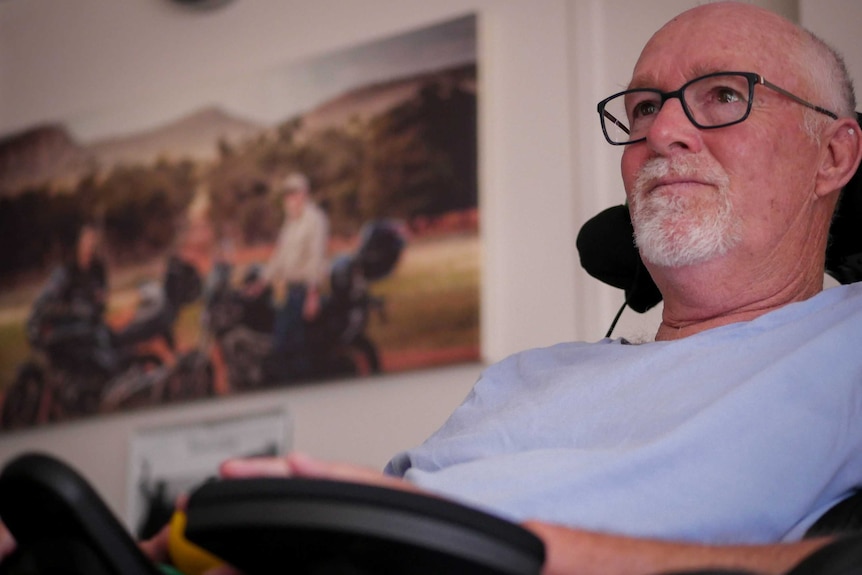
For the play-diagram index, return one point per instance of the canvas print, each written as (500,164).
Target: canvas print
(317,220)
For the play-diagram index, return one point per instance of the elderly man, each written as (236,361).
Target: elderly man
(718,444)
(297,265)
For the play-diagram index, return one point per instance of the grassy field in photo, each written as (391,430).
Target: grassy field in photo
(432,302)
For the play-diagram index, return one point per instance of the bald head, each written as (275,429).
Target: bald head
(742,36)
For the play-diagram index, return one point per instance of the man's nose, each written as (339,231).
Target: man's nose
(672,130)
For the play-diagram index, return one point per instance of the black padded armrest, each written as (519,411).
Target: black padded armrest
(61,524)
(315,526)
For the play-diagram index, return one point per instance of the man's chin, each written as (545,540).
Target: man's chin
(680,254)
(681,240)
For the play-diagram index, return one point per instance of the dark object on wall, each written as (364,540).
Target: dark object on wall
(201,4)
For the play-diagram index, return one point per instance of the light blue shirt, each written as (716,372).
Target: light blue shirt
(745,433)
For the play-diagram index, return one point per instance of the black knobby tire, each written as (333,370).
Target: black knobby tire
(139,365)
(193,378)
(245,367)
(23,399)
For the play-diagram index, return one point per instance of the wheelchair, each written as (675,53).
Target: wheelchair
(318,527)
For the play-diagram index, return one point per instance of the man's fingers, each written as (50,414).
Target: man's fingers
(156,548)
(255,467)
(301,465)
(7,542)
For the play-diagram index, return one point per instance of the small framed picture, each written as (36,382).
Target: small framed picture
(167,462)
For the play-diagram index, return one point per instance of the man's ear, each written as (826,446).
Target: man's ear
(842,154)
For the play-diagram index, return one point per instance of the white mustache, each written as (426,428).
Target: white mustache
(689,166)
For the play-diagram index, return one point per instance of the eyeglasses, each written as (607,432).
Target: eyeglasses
(711,101)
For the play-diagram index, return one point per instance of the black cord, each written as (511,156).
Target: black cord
(616,319)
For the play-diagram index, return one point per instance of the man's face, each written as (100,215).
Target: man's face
(700,195)
(86,246)
(294,202)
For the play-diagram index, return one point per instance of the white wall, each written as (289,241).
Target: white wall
(837,22)
(544,170)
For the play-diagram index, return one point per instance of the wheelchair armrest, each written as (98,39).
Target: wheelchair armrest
(61,524)
(320,526)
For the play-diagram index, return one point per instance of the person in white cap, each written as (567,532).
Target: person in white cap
(297,265)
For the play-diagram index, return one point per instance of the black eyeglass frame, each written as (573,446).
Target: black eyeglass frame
(752,77)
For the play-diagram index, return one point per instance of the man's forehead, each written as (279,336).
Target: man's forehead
(672,77)
(712,38)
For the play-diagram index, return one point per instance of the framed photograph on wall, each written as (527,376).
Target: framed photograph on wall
(145,242)
(168,462)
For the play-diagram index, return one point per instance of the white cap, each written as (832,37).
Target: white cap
(294,182)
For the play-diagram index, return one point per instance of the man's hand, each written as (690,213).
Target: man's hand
(311,306)
(7,542)
(156,547)
(301,465)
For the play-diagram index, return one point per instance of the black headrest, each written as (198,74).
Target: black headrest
(608,253)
